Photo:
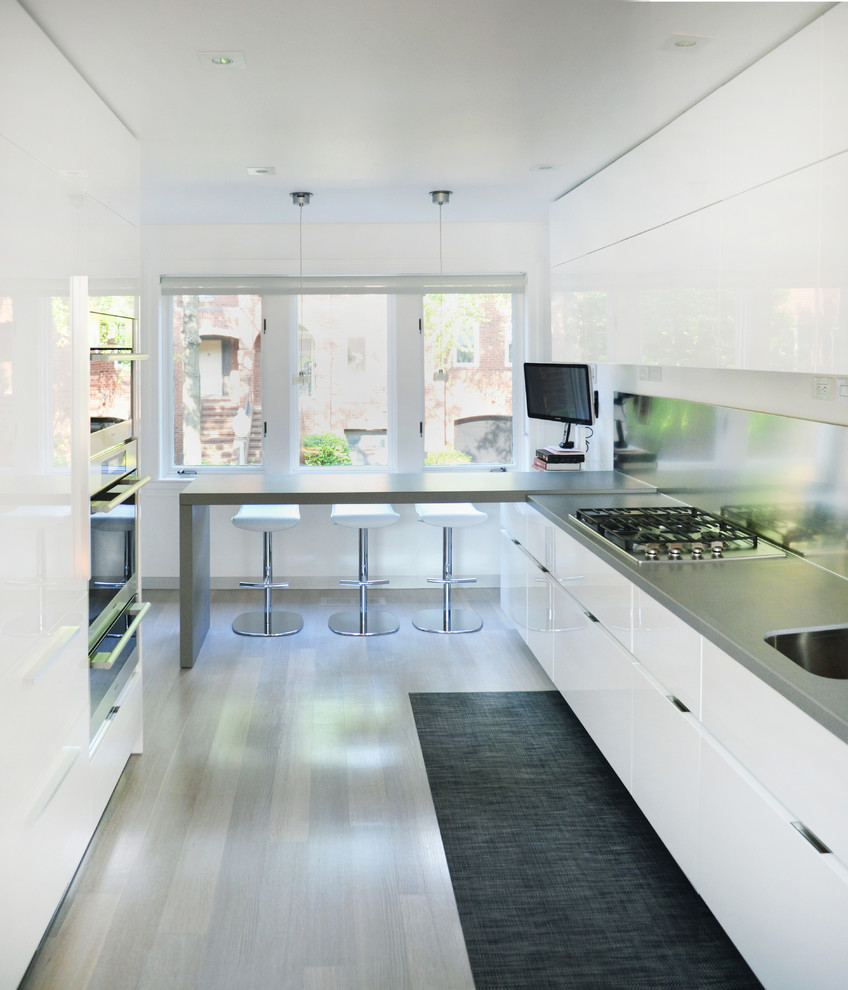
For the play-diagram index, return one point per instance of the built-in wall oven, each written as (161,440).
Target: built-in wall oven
(115,611)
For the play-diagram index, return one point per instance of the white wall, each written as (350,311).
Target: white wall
(721,242)
(408,551)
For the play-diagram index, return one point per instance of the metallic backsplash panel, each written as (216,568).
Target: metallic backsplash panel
(786,479)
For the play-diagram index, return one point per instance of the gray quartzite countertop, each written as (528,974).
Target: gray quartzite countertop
(733,603)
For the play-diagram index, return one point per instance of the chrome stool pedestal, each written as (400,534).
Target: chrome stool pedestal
(267,519)
(365,622)
(447,619)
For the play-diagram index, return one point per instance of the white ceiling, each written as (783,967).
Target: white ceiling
(370,104)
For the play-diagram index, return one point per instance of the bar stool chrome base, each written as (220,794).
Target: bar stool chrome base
(267,624)
(369,623)
(365,621)
(450,620)
(267,519)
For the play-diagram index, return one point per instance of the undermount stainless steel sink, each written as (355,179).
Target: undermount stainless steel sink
(822,650)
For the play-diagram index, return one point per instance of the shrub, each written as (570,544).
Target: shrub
(447,456)
(324,448)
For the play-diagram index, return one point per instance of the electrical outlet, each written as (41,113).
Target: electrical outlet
(823,388)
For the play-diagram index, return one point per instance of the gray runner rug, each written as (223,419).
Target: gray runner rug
(559,878)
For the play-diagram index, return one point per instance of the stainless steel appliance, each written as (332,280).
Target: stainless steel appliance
(114,611)
(111,379)
(652,534)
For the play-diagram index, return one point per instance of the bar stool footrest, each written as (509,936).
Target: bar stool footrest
(262,585)
(452,580)
(353,583)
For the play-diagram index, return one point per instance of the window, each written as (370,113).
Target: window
(342,373)
(217,386)
(342,402)
(468,385)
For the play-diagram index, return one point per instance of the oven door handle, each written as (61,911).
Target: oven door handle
(103,661)
(120,497)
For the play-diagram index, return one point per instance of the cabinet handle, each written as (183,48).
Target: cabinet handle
(103,661)
(69,758)
(48,653)
(811,837)
(678,704)
(120,497)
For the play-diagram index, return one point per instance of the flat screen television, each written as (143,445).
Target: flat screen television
(562,393)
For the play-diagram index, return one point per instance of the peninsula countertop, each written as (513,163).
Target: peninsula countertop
(318,487)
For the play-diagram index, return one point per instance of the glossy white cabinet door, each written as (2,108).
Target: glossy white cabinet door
(119,738)
(596,676)
(666,750)
(784,905)
(669,648)
(597,586)
(799,761)
(513,566)
(42,839)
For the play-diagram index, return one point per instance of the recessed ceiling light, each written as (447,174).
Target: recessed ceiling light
(222,60)
(261,170)
(685,42)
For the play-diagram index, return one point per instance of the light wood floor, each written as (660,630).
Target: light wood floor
(278,831)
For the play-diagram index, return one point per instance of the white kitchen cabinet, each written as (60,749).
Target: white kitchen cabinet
(666,752)
(596,676)
(44,833)
(783,903)
(119,738)
(597,586)
(513,594)
(797,759)
(669,648)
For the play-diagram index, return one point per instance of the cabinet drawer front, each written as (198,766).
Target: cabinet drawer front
(799,761)
(782,903)
(596,677)
(40,699)
(597,586)
(668,648)
(120,737)
(666,753)
(41,849)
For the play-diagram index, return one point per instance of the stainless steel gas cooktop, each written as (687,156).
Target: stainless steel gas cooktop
(675,533)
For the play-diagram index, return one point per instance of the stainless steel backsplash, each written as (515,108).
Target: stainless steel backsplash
(785,478)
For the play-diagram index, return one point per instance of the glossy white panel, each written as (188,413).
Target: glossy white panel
(782,903)
(772,114)
(44,104)
(832,328)
(668,648)
(835,80)
(596,677)
(120,737)
(666,750)
(597,586)
(803,764)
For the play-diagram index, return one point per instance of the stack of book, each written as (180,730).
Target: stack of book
(558,459)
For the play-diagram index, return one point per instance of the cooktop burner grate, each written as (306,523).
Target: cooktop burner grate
(671,532)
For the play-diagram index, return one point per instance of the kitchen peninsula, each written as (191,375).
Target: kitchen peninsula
(313,488)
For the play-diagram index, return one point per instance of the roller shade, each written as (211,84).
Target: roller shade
(217,285)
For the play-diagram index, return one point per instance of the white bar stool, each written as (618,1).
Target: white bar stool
(267,519)
(448,515)
(363,622)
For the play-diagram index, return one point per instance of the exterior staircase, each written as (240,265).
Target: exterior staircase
(216,436)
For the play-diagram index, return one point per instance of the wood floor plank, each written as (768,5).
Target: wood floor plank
(278,831)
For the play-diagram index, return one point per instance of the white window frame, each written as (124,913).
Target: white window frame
(405,351)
